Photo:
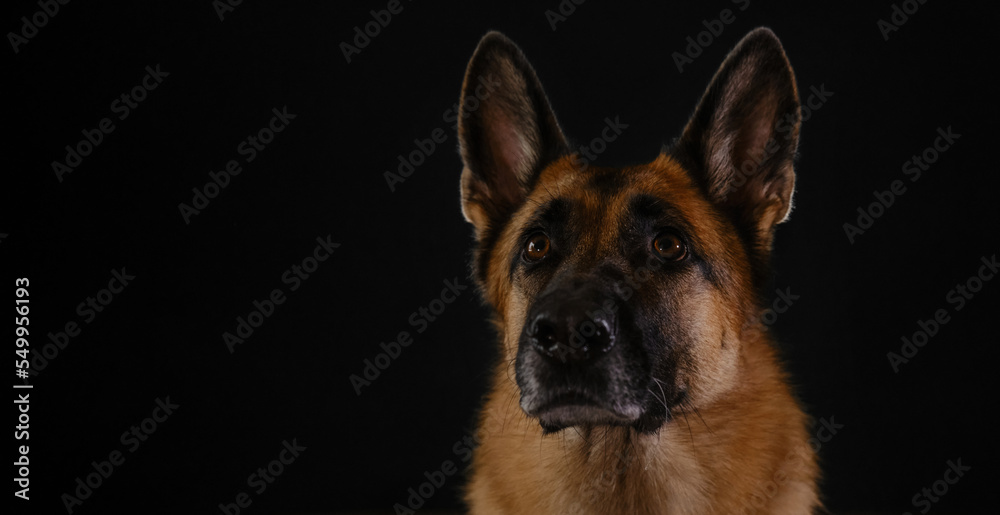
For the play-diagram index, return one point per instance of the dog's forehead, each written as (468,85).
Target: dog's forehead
(598,197)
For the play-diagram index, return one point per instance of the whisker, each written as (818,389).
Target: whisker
(660,384)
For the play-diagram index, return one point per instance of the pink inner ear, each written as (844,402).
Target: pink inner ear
(507,146)
(751,144)
(509,150)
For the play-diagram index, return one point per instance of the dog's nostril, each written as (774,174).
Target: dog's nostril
(544,334)
(603,338)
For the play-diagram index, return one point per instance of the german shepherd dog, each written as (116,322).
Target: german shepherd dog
(633,377)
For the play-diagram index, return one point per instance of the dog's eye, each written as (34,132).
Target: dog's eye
(669,246)
(537,247)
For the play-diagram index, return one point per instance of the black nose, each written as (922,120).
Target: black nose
(571,330)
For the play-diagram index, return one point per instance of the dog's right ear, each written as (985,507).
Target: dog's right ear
(507,132)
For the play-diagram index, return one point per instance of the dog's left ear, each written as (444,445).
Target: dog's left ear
(506,129)
(741,140)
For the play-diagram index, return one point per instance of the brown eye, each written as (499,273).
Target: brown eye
(669,246)
(537,247)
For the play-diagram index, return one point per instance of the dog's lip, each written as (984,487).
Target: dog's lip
(570,409)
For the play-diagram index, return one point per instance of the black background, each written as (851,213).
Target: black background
(323,175)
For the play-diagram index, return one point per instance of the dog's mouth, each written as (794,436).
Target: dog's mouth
(578,409)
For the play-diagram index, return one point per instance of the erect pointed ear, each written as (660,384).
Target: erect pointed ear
(506,130)
(741,140)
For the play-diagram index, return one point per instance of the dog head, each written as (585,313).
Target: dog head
(623,295)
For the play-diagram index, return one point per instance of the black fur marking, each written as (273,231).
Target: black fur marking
(553,219)
(607,182)
(647,215)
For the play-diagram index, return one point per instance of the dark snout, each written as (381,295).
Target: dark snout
(572,326)
(579,361)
